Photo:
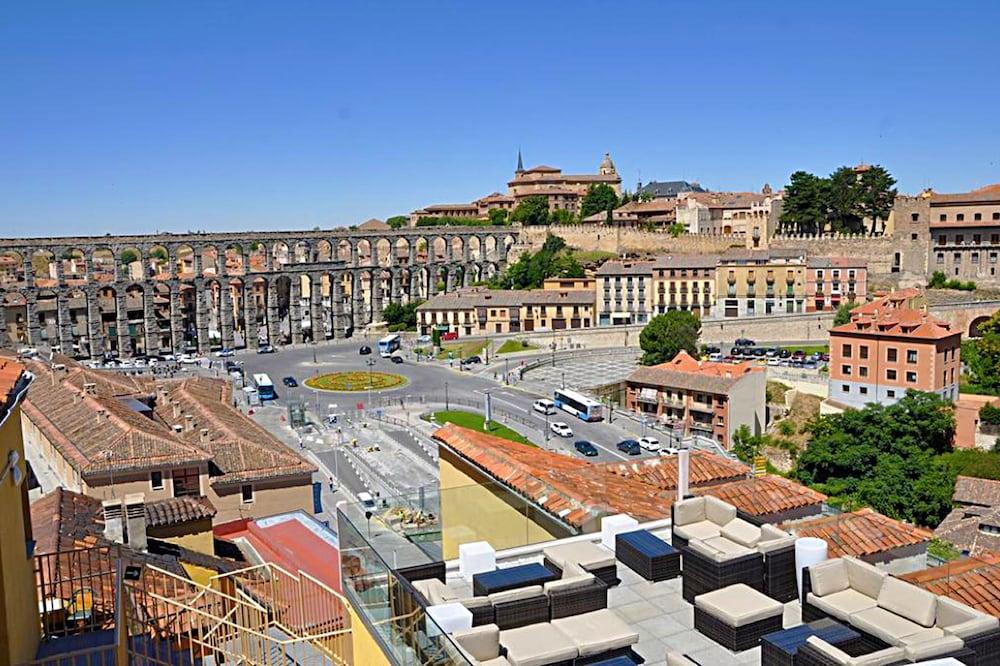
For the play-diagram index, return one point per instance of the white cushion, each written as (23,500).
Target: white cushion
(828,577)
(933,648)
(516,594)
(922,636)
(499,661)
(864,577)
(775,544)
(884,624)
(571,583)
(951,612)
(742,533)
(769,531)
(537,645)
(738,605)
(584,553)
(843,604)
(435,591)
(889,655)
(597,632)
(908,600)
(483,642)
(729,550)
(703,529)
(689,511)
(719,512)
(977,625)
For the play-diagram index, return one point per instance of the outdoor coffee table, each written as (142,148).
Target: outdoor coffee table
(648,555)
(779,648)
(500,580)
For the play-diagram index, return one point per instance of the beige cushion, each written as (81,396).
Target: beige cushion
(719,512)
(435,591)
(775,544)
(584,553)
(977,625)
(884,624)
(908,600)
(922,636)
(726,549)
(704,529)
(933,648)
(738,605)
(481,642)
(572,583)
(828,577)
(537,645)
(475,602)
(677,659)
(843,604)
(769,532)
(889,655)
(515,594)
(689,511)
(499,661)
(596,632)
(951,612)
(742,533)
(573,570)
(864,577)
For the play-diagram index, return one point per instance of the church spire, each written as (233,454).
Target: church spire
(520,162)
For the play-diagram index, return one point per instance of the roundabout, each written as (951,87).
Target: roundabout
(356,381)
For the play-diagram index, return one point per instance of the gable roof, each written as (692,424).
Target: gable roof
(686,372)
(670,188)
(860,533)
(982,492)
(974,582)
(704,468)
(761,495)
(962,529)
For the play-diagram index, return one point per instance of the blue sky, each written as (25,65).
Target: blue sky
(143,116)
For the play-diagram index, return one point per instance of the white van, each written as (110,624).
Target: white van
(366,500)
(544,406)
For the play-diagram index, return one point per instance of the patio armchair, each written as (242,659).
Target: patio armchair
(425,583)
(717,563)
(481,645)
(576,595)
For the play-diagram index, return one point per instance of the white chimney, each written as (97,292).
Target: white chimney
(203,435)
(113,526)
(177,410)
(189,422)
(683,474)
(135,517)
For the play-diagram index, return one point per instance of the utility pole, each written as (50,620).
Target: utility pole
(446,405)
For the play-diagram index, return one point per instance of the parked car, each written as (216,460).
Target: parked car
(289,382)
(424,339)
(561,429)
(189,358)
(774,362)
(715,356)
(225,352)
(450,335)
(771,352)
(810,365)
(396,359)
(649,443)
(472,360)
(629,446)
(544,406)
(669,451)
(744,342)
(586,448)
(265,349)
(366,500)
(365,350)
(784,353)
(737,351)
(799,354)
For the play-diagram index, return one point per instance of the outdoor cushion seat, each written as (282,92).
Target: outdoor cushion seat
(482,645)
(537,645)
(597,632)
(566,584)
(583,553)
(884,624)
(435,591)
(701,530)
(908,601)
(963,621)
(718,549)
(742,533)
(864,577)
(843,604)
(929,634)
(829,577)
(516,594)
(738,605)
(932,648)
(890,655)
(697,510)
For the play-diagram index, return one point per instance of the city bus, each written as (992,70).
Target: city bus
(578,405)
(265,389)
(388,344)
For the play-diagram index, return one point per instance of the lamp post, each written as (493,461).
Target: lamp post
(546,426)
(446,405)
(564,379)
(371,364)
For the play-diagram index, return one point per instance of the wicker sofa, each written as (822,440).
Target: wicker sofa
(889,612)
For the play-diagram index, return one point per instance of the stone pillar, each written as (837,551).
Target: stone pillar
(196,261)
(465,249)
(449,280)
(295,309)
(376,295)
(5,339)
(273,322)
(60,270)
(466,275)
(29,271)
(65,320)
(432,280)
(226,315)
(251,337)
(202,294)
(32,324)
(448,249)
(415,285)
(354,252)
(358,296)
(337,304)
(412,246)
(394,287)
(176,318)
(121,323)
(95,328)
(149,320)
(316,309)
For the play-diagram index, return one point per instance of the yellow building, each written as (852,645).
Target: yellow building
(749,283)
(481,311)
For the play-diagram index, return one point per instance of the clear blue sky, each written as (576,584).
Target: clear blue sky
(138,116)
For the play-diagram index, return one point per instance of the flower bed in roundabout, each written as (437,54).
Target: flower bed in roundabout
(356,381)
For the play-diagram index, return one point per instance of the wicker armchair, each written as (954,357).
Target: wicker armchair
(576,600)
(703,572)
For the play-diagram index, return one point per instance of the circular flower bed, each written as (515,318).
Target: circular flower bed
(356,381)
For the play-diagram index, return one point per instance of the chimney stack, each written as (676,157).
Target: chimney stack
(102,415)
(135,517)
(177,410)
(189,422)
(90,388)
(113,525)
(203,435)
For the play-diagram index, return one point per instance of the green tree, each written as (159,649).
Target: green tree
(937,281)
(876,194)
(129,256)
(498,216)
(401,317)
(561,216)
(398,221)
(746,446)
(842,202)
(804,208)
(531,269)
(533,210)
(844,313)
(158,253)
(676,229)
(667,334)
(601,197)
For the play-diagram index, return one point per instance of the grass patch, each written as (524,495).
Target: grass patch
(809,349)
(776,392)
(356,381)
(462,349)
(474,421)
(515,346)
(587,257)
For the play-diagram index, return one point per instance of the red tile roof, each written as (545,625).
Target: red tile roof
(892,315)
(178,510)
(963,529)
(974,581)
(683,371)
(760,495)
(703,469)
(970,490)
(10,373)
(860,533)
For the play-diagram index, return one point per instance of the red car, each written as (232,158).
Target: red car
(450,335)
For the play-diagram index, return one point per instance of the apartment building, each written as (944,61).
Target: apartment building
(700,397)
(965,234)
(833,281)
(889,347)
(482,311)
(624,292)
(726,213)
(749,283)
(684,282)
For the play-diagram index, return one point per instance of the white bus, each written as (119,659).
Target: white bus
(578,405)
(265,389)
(388,344)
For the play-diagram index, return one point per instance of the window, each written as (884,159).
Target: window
(156,480)
(976,238)
(890,393)
(960,217)
(863,390)
(890,354)
(944,217)
(915,217)
(911,377)
(996,216)
(246,493)
(940,257)
(845,351)
(911,355)
(863,371)
(960,238)
(942,240)
(845,388)
(890,375)
(913,237)
(975,257)
(864,351)
(993,257)
(186,482)
(845,369)
(977,216)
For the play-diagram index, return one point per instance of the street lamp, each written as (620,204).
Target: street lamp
(546,426)
(564,379)
(446,406)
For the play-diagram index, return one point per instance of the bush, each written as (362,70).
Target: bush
(989,414)
(939,281)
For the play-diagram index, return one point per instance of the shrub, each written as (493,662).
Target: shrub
(989,414)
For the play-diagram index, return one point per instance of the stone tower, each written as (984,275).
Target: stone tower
(607,166)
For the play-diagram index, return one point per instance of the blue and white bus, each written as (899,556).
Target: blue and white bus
(388,344)
(578,405)
(265,389)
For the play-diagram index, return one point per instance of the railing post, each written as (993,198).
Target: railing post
(121,625)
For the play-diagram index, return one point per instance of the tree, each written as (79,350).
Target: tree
(129,256)
(533,210)
(843,315)
(667,334)
(498,216)
(746,446)
(401,317)
(982,357)
(561,216)
(677,229)
(398,221)
(803,210)
(876,194)
(531,269)
(842,200)
(600,197)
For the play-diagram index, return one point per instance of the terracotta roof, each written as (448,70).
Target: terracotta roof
(178,510)
(375,224)
(896,321)
(681,261)
(973,581)
(984,194)
(11,373)
(685,372)
(963,529)
(573,490)
(703,469)
(860,533)
(970,490)
(626,268)
(760,495)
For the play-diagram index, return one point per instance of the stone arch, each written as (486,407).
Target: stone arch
(324,250)
(489,252)
(213,296)
(282,292)
(256,257)
(130,262)
(401,252)
(46,309)
(383,252)
(74,263)
(422,247)
(457,246)
(106,306)
(301,252)
(103,264)
(475,248)
(183,261)
(159,262)
(11,268)
(976,323)
(188,295)
(280,253)
(76,306)
(234,260)
(364,250)
(438,249)
(255,311)
(344,250)
(210,260)
(43,264)
(132,338)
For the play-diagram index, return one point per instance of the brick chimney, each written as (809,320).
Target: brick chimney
(114,529)
(135,518)
(90,388)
